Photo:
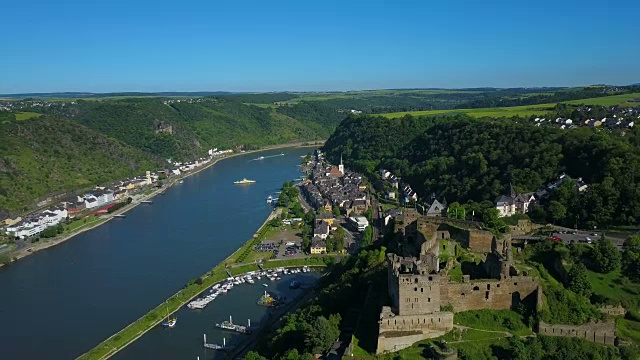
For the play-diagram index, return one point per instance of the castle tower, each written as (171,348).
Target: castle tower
(341,166)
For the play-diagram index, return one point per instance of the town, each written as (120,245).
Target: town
(72,210)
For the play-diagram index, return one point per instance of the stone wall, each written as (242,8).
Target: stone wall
(523,227)
(397,332)
(418,294)
(601,332)
(489,294)
(613,310)
(475,240)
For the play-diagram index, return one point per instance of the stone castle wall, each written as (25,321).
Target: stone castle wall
(489,294)
(397,332)
(418,294)
(613,310)
(421,294)
(601,333)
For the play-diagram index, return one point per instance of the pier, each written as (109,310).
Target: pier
(146,202)
(229,325)
(215,346)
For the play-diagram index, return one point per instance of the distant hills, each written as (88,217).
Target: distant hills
(75,95)
(75,146)
(53,145)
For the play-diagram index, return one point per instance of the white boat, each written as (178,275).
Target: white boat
(181,181)
(265,285)
(270,199)
(171,322)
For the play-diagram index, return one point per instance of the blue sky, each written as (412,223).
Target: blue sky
(306,45)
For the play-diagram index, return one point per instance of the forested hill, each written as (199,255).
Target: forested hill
(469,160)
(47,155)
(85,143)
(184,129)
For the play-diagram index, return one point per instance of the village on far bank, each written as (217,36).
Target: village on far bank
(75,210)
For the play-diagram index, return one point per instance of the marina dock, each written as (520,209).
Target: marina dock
(215,346)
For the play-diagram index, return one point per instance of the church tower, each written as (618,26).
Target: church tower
(341,166)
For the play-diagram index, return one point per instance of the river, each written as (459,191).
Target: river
(62,301)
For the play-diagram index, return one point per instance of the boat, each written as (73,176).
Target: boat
(261,158)
(244,181)
(294,284)
(266,300)
(171,322)
(181,181)
(229,325)
(270,199)
(265,285)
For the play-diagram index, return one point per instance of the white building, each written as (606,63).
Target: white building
(360,222)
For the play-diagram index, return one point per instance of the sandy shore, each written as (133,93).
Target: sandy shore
(47,243)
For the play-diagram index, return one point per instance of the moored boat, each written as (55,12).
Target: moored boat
(244,181)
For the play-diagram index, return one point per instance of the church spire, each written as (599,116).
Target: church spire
(341,166)
(512,192)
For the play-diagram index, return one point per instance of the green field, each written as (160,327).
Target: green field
(527,110)
(26,115)
(615,288)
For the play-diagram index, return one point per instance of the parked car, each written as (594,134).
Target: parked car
(588,240)
(556,239)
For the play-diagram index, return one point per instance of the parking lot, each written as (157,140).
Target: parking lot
(284,244)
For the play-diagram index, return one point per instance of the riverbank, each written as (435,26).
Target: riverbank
(138,328)
(24,251)
(135,330)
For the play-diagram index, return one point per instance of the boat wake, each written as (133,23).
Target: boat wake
(265,157)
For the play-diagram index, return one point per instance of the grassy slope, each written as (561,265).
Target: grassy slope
(47,155)
(26,115)
(526,110)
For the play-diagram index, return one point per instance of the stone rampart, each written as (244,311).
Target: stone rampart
(613,310)
(397,332)
(489,294)
(599,332)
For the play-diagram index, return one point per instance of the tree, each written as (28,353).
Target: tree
(631,257)
(321,335)
(537,214)
(252,355)
(4,259)
(340,236)
(491,218)
(557,211)
(336,211)
(456,211)
(578,280)
(367,236)
(606,257)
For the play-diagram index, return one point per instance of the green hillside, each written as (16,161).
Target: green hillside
(184,130)
(93,142)
(45,155)
(472,161)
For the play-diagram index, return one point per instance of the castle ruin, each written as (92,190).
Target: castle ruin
(424,299)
